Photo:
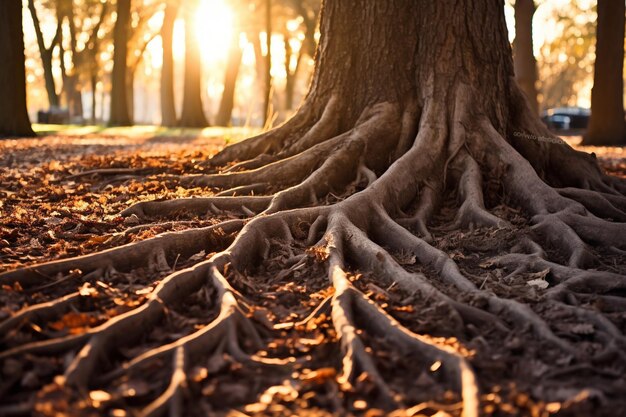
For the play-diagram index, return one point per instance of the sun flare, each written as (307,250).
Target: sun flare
(215,21)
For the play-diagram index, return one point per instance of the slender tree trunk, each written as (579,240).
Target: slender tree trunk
(71,78)
(230,81)
(168,103)
(13,113)
(94,83)
(192,114)
(46,55)
(267,106)
(120,115)
(606,126)
(290,78)
(259,64)
(130,94)
(523,56)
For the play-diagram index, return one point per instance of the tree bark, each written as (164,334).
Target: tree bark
(607,126)
(46,55)
(13,112)
(523,55)
(192,114)
(120,115)
(227,103)
(168,103)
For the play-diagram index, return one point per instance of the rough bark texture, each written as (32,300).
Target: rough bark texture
(607,125)
(233,63)
(413,125)
(523,55)
(13,114)
(120,115)
(168,104)
(192,114)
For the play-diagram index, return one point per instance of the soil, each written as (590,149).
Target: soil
(48,211)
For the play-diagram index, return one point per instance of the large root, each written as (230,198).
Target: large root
(353,199)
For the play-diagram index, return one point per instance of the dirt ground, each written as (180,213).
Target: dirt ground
(53,207)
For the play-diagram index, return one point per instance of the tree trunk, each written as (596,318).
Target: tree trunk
(13,113)
(130,94)
(94,90)
(168,103)
(120,115)
(523,55)
(46,55)
(290,77)
(227,103)
(607,125)
(267,96)
(192,114)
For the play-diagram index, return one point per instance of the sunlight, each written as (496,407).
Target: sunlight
(214,28)
(215,21)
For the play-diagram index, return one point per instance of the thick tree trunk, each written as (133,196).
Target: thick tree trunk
(192,114)
(384,71)
(523,55)
(120,115)
(168,103)
(13,113)
(607,125)
(227,103)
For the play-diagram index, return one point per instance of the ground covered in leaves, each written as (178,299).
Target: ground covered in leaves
(55,204)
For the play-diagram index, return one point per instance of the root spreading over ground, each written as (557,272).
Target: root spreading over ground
(416,263)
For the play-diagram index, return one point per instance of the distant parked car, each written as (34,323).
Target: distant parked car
(566,118)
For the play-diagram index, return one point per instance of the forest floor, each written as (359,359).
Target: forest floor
(54,204)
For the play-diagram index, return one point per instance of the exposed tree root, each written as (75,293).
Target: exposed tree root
(345,194)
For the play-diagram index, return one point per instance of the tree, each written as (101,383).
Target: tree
(120,115)
(192,114)
(309,14)
(566,64)
(13,114)
(46,54)
(523,55)
(168,105)
(607,125)
(233,62)
(410,105)
(267,95)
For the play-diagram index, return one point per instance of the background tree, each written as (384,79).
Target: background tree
(309,12)
(566,61)
(13,114)
(523,54)
(120,115)
(168,104)
(233,63)
(607,125)
(267,94)
(192,114)
(46,52)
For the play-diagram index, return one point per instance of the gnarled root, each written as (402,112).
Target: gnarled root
(344,195)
